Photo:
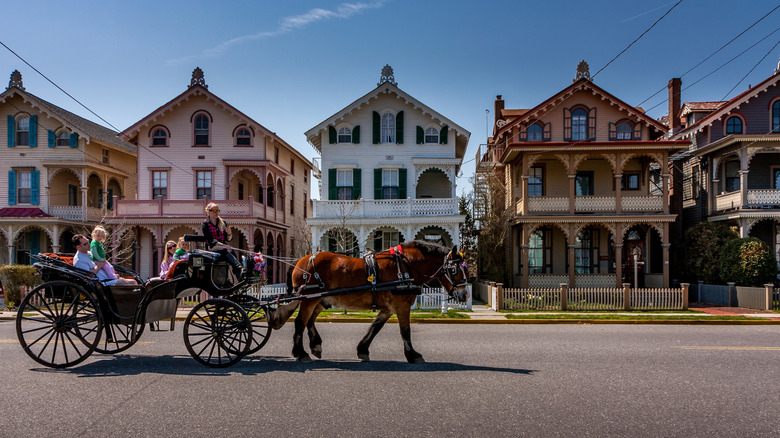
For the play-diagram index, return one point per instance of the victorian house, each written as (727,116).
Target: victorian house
(731,172)
(389,172)
(197,148)
(587,178)
(64,174)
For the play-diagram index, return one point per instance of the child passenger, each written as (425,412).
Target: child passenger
(99,253)
(181,249)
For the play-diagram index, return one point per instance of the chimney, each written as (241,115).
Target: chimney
(674,104)
(498,106)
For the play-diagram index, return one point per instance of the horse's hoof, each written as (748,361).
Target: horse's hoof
(416,360)
(317,352)
(364,357)
(305,359)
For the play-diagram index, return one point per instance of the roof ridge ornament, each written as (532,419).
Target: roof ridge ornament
(387,75)
(16,80)
(197,78)
(583,71)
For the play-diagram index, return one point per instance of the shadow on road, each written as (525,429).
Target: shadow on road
(128,364)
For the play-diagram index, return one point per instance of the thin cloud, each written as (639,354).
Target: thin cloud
(647,12)
(287,25)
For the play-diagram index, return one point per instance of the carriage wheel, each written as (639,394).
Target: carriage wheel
(118,338)
(58,324)
(217,333)
(258,316)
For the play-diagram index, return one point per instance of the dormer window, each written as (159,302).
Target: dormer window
(63,138)
(734,125)
(345,135)
(160,137)
(624,131)
(23,131)
(579,124)
(431,136)
(534,132)
(243,137)
(202,130)
(388,128)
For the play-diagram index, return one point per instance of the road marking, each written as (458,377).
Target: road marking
(705,347)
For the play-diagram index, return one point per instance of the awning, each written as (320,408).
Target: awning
(23,212)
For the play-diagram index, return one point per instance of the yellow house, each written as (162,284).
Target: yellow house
(64,173)
(587,178)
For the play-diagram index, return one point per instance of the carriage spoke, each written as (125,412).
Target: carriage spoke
(73,344)
(37,309)
(41,337)
(54,350)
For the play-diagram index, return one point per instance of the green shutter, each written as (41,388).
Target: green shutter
(11,131)
(420,135)
(356,135)
(399,128)
(35,187)
(377,183)
(52,139)
(356,183)
(11,187)
(34,131)
(402,183)
(74,140)
(333,193)
(377,126)
(332,138)
(444,134)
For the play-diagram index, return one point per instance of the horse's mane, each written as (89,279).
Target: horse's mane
(427,248)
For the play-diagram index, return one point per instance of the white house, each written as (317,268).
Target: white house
(389,166)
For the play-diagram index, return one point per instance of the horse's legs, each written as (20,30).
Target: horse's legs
(406,334)
(304,313)
(379,322)
(315,341)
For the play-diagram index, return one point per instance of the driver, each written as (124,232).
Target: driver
(217,234)
(83,260)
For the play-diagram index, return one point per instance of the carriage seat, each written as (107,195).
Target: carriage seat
(63,258)
(154,281)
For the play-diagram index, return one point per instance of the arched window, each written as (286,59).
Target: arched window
(624,131)
(776,116)
(432,136)
(63,138)
(534,132)
(23,131)
(388,128)
(734,125)
(159,137)
(579,124)
(202,130)
(345,135)
(243,137)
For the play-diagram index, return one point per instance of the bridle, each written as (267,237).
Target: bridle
(450,269)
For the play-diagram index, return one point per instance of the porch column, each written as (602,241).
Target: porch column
(572,193)
(11,259)
(137,255)
(104,196)
(665,179)
(314,242)
(84,203)
(743,228)
(713,193)
(524,254)
(524,194)
(618,193)
(619,264)
(571,266)
(743,187)
(665,247)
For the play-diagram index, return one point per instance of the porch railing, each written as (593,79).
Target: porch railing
(76,212)
(386,208)
(560,204)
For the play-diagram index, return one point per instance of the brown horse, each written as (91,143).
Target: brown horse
(348,276)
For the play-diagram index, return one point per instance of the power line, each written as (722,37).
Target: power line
(637,39)
(751,70)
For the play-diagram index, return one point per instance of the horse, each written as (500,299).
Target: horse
(399,274)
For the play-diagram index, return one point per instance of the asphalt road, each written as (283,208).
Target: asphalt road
(479,380)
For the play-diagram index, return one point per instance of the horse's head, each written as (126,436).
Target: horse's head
(453,275)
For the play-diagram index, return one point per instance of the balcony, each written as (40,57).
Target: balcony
(386,208)
(591,204)
(196,207)
(76,213)
(764,198)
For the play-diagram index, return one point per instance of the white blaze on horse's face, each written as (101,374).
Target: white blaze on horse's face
(455,275)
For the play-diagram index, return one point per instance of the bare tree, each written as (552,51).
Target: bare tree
(493,221)
(346,242)
(300,238)
(121,248)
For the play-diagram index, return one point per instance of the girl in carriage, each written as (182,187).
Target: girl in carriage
(99,253)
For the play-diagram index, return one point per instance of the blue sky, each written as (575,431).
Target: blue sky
(291,64)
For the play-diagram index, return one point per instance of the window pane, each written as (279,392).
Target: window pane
(536,182)
(344,178)
(534,132)
(432,136)
(624,131)
(388,128)
(345,135)
(63,138)
(579,124)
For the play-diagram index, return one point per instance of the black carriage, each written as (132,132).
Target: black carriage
(71,314)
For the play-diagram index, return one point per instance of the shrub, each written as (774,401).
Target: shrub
(15,276)
(748,262)
(703,245)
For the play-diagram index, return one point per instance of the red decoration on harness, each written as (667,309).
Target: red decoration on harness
(399,249)
(392,250)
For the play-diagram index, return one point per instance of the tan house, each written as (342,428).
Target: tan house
(64,174)
(197,148)
(587,176)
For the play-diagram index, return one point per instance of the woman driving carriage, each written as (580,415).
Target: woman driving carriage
(217,233)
